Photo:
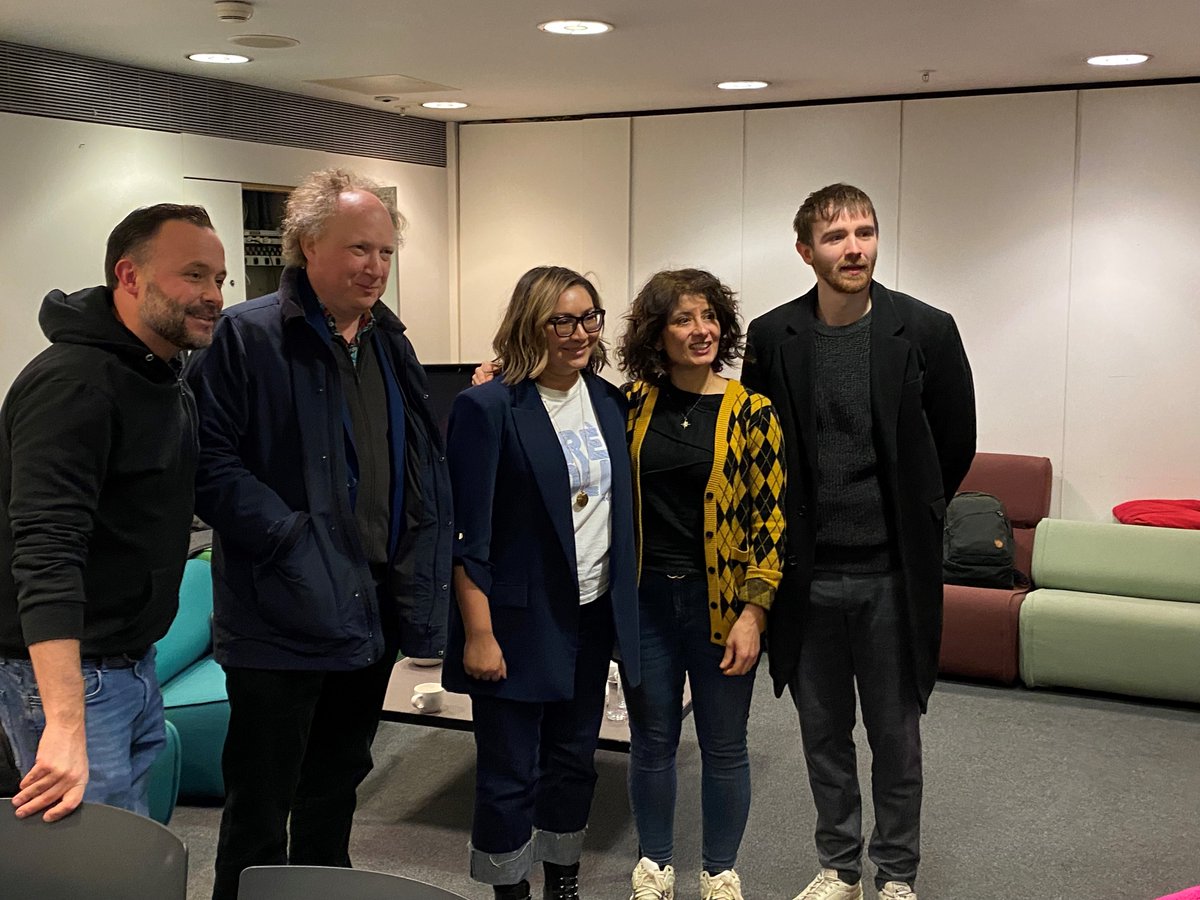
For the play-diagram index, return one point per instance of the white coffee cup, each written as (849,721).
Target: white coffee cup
(428,697)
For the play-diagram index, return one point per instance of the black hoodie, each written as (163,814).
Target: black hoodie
(97,461)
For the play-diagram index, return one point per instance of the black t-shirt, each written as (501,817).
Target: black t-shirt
(675,463)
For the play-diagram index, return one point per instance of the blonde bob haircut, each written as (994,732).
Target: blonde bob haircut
(521,344)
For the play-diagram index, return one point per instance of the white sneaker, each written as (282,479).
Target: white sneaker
(897,890)
(652,883)
(827,886)
(724,886)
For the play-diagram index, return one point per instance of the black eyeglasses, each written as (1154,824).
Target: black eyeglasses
(564,325)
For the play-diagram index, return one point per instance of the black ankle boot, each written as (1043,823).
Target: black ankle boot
(562,882)
(518,891)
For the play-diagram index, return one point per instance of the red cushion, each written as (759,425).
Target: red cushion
(1163,513)
(1022,483)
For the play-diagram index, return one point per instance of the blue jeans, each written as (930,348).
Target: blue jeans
(535,765)
(124,719)
(675,641)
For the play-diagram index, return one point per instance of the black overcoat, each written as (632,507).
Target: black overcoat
(923,414)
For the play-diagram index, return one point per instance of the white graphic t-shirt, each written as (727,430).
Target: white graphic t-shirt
(590,471)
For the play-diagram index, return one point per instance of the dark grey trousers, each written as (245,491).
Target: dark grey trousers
(854,635)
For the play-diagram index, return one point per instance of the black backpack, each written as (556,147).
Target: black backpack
(977,544)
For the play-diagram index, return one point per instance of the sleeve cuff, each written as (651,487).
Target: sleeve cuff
(759,592)
(52,622)
(479,573)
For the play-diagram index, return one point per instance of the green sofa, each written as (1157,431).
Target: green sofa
(1117,609)
(193,686)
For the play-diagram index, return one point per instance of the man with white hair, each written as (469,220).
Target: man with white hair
(323,474)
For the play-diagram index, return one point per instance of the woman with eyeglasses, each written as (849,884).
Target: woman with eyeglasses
(708,475)
(544,578)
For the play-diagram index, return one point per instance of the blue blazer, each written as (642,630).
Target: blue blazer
(516,540)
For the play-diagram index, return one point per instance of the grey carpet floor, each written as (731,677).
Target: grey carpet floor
(1029,795)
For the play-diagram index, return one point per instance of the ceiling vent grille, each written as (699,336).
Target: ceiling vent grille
(37,82)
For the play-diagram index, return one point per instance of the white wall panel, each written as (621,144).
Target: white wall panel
(1133,385)
(539,193)
(789,154)
(222,200)
(985,233)
(687,195)
(64,186)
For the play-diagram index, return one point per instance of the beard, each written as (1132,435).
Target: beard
(171,320)
(846,282)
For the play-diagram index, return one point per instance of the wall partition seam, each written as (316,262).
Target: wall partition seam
(900,193)
(454,236)
(630,288)
(1066,408)
(741,276)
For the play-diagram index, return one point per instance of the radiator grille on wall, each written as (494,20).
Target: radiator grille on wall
(39,82)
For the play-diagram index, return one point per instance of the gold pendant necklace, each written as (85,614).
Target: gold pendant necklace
(685,423)
(581,499)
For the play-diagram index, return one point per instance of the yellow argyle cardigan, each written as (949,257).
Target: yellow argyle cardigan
(743,502)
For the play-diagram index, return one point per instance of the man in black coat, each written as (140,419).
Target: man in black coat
(875,398)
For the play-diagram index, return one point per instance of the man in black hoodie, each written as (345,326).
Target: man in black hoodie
(97,461)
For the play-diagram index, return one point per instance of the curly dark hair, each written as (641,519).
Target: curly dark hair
(640,350)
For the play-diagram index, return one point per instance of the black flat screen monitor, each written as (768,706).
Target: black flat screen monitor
(446,381)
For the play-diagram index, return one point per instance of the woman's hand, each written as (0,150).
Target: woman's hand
(484,372)
(745,641)
(483,658)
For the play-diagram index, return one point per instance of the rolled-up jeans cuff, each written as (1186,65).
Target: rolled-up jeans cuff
(559,849)
(502,868)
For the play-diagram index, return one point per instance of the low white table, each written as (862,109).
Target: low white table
(456,708)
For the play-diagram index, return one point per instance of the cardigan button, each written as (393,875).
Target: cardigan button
(708,534)
(713,604)
(708,495)
(717,635)
(712,570)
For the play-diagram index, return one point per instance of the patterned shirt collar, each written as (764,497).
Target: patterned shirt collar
(366,324)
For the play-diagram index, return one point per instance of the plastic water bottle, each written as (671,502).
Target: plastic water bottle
(614,704)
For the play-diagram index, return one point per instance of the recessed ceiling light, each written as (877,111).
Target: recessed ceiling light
(225,58)
(575,27)
(743,85)
(445,104)
(264,41)
(1119,59)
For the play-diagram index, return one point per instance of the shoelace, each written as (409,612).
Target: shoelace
(648,892)
(650,888)
(822,888)
(903,891)
(724,891)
